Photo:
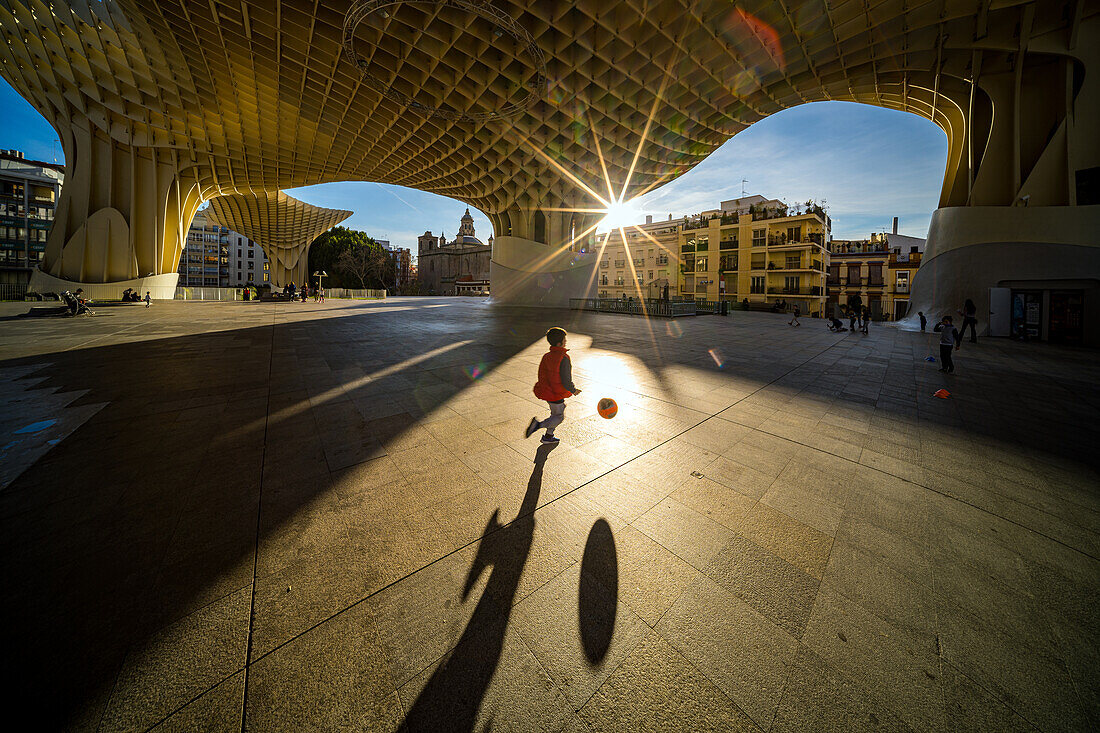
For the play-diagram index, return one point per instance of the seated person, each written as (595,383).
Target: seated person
(836,325)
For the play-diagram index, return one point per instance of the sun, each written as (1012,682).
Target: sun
(619,214)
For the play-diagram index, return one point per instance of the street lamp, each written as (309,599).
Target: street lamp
(320,274)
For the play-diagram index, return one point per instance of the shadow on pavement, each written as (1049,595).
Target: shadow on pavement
(456,688)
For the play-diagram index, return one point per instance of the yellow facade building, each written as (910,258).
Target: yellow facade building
(879,270)
(643,263)
(759,250)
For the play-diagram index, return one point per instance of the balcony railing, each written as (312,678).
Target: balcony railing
(662,259)
(901,288)
(811,291)
(658,308)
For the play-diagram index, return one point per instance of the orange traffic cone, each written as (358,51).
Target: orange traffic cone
(943,394)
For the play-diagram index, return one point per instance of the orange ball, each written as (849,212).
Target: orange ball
(607,408)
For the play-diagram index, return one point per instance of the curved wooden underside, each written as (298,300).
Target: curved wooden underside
(282,225)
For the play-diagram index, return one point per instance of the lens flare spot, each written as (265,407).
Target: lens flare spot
(619,214)
(672,328)
(475,372)
(718,358)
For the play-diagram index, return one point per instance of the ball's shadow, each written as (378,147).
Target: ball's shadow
(599,592)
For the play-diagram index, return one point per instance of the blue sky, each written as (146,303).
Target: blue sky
(869,164)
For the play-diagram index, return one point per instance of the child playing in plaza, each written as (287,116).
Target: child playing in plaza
(148,300)
(949,337)
(554,385)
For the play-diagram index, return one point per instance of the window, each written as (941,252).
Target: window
(251,253)
(757,285)
(853,274)
(651,274)
(730,242)
(249,265)
(239,278)
(701,264)
(265,267)
(874,273)
(702,243)
(794,234)
(790,284)
(758,238)
(794,262)
(603,280)
(238,254)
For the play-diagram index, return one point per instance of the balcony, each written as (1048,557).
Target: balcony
(639,261)
(901,288)
(620,263)
(806,292)
(728,244)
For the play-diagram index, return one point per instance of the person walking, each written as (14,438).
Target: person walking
(866,320)
(554,385)
(949,338)
(148,299)
(794,317)
(970,318)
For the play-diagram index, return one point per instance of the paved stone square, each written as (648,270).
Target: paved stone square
(226,516)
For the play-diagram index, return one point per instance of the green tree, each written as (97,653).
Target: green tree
(349,257)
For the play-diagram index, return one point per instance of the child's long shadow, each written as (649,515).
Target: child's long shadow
(452,696)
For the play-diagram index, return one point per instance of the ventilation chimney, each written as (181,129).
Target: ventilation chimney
(648,219)
(895,225)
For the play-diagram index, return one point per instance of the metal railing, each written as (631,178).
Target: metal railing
(12,291)
(651,307)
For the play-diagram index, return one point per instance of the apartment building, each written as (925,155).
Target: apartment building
(756,249)
(217,257)
(643,263)
(878,269)
(29,190)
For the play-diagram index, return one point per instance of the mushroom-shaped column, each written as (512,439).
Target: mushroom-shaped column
(282,225)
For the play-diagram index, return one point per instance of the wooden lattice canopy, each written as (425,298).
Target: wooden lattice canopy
(510,105)
(281,224)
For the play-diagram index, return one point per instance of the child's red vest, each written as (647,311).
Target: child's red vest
(549,386)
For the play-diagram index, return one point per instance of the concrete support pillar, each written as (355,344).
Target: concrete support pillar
(973,248)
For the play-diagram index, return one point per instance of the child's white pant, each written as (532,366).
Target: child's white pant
(557,415)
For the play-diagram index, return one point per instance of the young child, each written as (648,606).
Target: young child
(794,318)
(949,336)
(148,300)
(923,321)
(554,385)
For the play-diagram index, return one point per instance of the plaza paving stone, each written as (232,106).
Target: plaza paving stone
(228,516)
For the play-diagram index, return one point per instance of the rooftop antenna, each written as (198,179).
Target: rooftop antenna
(743,182)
